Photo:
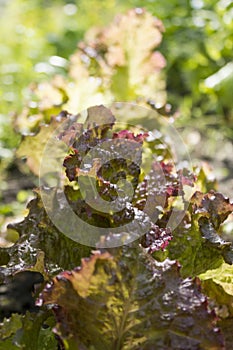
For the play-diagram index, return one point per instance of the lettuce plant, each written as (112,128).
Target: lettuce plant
(119,62)
(128,274)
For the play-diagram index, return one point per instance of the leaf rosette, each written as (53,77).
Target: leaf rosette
(119,178)
(109,184)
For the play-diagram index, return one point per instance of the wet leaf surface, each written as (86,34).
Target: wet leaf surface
(130,301)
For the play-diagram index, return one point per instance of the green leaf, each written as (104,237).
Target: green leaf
(136,66)
(115,63)
(218,284)
(196,242)
(9,327)
(130,301)
(32,146)
(31,331)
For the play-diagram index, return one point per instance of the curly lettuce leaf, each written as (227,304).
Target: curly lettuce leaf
(107,165)
(32,146)
(197,242)
(149,199)
(130,301)
(212,205)
(32,331)
(37,233)
(218,284)
(119,62)
(222,276)
(127,59)
(35,254)
(156,239)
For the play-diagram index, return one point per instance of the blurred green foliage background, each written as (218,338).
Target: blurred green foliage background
(197,44)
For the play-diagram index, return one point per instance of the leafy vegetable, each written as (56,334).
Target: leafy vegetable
(214,206)
(32,146)
(218,284)
(196,243)
(222,276)
(37,233)
(30,331)
(119,187)
(123,185)
(130,301)
(114,63)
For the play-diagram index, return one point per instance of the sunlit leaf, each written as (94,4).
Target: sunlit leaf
(130,301)
(197,242)
(218,284)
(32,146)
